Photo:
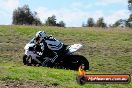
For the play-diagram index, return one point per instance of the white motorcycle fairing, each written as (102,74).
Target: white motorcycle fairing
(28,45)
(31,53)
(74,48)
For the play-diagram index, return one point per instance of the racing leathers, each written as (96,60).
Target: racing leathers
(51,49)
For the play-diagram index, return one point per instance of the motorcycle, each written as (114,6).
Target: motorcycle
(67,61)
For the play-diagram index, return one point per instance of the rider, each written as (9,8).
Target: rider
(50,46)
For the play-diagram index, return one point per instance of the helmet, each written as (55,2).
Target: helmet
(40,36)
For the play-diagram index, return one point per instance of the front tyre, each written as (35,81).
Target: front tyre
(24,59)
(27,60)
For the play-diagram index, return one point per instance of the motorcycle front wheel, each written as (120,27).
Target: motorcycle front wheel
(27,60)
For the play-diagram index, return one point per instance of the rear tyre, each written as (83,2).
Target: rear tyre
(74,61)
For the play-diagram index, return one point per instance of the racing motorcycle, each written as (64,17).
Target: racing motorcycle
(69,60)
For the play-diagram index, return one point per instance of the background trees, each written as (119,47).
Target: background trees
(24,16)
(121,22)
(100,22)
(117,23)
(130,5)
(126,22)
(51,21)
(90,22)
(130,17)
(61,24)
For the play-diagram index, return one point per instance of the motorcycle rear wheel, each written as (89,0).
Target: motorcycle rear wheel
(74,61)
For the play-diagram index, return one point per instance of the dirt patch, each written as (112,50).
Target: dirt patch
(24,84)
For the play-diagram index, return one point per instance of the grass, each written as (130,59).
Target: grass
(108,51)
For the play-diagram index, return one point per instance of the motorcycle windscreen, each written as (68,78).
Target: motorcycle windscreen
(28,45)
(75,47)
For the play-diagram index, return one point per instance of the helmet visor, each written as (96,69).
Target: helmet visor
(37,39)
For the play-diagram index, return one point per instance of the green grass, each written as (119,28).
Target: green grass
(108,51)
